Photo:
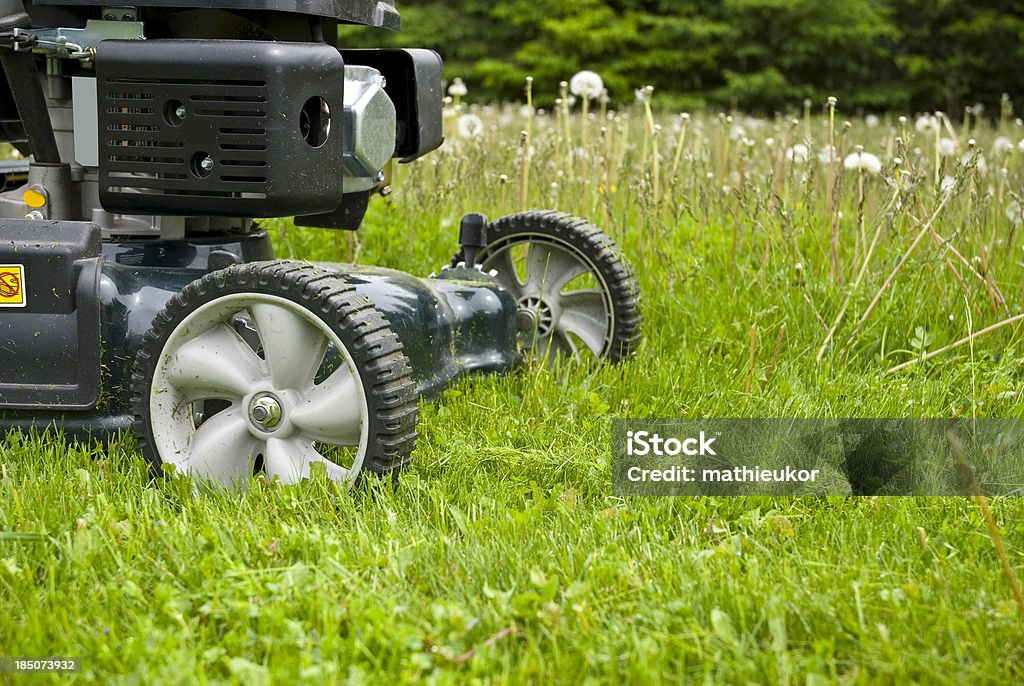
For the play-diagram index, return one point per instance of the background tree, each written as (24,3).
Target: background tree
(760,55)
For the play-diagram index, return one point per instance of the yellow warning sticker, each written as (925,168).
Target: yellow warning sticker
(12,285)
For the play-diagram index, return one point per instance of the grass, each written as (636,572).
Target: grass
(502,557)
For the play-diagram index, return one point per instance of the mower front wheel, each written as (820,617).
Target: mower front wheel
(273,367)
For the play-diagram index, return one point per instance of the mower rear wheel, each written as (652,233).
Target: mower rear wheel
(575,289)
(273,367)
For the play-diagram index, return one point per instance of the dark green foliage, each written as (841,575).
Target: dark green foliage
(767,55)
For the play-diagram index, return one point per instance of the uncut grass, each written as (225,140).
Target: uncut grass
(505,519)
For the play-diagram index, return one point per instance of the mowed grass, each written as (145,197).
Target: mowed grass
(502,557)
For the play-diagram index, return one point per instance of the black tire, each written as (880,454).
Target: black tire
(383,370)
(605,259)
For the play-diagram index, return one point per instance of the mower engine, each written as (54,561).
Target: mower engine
(138,293)
(169,112)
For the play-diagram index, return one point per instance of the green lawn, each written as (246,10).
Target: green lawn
(502,556)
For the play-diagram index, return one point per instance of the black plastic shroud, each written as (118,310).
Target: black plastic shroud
(230,128)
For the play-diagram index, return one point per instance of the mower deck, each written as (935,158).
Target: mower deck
(452,325)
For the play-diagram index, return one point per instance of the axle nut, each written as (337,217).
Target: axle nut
(265,412)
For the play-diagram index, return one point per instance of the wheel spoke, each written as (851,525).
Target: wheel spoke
(293,346)
(215,364)
(584,314)
(331,412)
(548,269)
(589,302)
(222,449)
(560,344)
(290,460)
(506,276)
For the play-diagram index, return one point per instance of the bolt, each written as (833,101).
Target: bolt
(35,216)
(266,412)
(207,163)
(386,191)
(180,114)
(380,177)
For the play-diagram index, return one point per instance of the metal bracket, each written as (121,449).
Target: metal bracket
(76,43)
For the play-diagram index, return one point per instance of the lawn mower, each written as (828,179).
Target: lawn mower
(138,293)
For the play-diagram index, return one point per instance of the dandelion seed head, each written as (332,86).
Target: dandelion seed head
(947,147)
(470,126)
(1002,146)
(864,161)
(586,84)
(872,121)
(926,123)
(458,88)
(798,153)
(832,101)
